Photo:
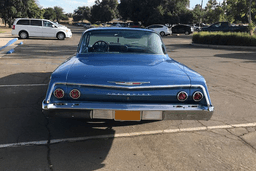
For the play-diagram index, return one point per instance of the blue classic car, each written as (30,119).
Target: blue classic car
(125,74)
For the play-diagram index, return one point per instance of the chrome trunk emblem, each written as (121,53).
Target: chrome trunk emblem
(133,83)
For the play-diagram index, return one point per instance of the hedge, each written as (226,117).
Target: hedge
(221,38)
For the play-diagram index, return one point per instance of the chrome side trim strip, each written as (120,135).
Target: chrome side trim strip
(132,88)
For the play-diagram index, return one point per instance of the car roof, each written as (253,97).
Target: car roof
(156,25)
(30,19)
(182,25)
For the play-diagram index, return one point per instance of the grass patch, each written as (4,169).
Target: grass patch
(221,38)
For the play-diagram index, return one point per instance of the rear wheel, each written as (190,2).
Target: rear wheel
(162,33)
(61,36)
(23,35)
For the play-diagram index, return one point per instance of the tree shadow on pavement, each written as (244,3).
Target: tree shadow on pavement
(247,57)
(22,118)
(42,51)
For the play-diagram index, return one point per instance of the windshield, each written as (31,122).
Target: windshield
(121,41)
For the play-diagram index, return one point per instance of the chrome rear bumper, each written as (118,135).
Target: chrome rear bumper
(99,110)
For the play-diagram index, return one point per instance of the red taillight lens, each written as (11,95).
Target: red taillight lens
(182,96)
(197,96)
(74,94)
(59,93)
(13,27)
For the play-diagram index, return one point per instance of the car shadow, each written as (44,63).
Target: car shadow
(6,36)
(84,155)
(21,111)
(22,120)
(174,47)
(247,57)
(40,38)
(36,51)
(182,36)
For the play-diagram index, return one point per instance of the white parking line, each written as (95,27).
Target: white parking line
(23,85)
(123,135)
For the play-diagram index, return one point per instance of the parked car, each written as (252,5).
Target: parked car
(125,74)
(198,27)
(116,24)
(124,24)
(87,25)
(134,25)
(28,27)
(160,29)
(225,27)
(182,29)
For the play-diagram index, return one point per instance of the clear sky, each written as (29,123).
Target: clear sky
(194,2)
(70,5)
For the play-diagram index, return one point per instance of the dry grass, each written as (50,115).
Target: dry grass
(4,29)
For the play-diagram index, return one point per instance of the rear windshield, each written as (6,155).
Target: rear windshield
(121,41)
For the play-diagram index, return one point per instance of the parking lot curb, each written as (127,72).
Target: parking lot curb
(10,51)
(225,47)
(9,43)
(9,48)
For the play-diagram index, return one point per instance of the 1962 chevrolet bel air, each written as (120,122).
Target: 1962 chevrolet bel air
(125,74)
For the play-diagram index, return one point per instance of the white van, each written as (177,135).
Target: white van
(28,27)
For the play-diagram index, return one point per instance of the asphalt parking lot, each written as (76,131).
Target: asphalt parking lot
(30,141)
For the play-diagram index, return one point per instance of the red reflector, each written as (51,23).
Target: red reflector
(182,96)
(59,93)
(197,96)
(75,94)
(136,83)
(13,27)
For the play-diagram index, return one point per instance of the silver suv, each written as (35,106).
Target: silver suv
(160,29)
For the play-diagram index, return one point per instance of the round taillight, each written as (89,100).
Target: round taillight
(59,93)
(182,96)
(197,96)
(74,94)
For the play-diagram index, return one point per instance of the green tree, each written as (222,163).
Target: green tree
(33,10)
(198,14)
(79,14)
(59,13)
(104,11)
(69,15)
(237,11)
(152,11)
(11,9)
(49,14)
(87,13)
(64,17)
(210,16)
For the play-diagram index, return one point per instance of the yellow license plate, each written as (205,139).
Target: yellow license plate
(122,115)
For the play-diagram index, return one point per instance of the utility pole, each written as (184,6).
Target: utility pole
(201,14)
(250,17)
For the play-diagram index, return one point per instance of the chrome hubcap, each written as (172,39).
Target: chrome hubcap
(23,35)
(60,36)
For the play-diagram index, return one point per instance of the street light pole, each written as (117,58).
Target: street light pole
(200,13)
